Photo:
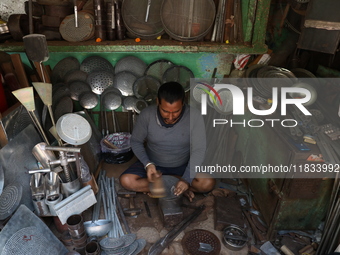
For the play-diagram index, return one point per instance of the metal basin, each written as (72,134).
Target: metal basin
(98,228)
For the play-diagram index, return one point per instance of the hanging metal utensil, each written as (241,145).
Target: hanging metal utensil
(75,7)
(26,98)
(111,102)
(36,50)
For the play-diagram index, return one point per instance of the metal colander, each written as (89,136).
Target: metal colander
(131,64)
(95,63)
(157,68)
(77,88)
(63,67)
(100,80)
(139,105)
(146,87)
(194,241)
(10,200)
(188,20)
(124,82)
(142,18)
(180,74)
(84,31)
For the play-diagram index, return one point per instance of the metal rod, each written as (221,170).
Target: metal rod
(147,11)
(38,125)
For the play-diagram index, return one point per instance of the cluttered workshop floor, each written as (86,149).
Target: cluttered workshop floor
(220,222)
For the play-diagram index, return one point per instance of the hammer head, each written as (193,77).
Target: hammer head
(132,212)
(126,193)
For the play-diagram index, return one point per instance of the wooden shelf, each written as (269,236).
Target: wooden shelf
(129,45)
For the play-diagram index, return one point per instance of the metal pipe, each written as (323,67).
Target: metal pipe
(66,149)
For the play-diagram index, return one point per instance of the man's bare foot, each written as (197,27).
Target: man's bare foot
(189,194)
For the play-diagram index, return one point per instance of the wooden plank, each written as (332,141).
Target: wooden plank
(20,70)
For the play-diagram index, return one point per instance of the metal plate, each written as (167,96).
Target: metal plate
(25,233)
(77,88)
(73,129)
(124,82)
(10,200)
(132,64)
(111,101)
(88,100)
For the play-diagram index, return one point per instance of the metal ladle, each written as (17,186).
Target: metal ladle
(88,100)
(112,101)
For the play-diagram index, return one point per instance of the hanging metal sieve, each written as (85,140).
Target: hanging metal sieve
(96,63)
(188,20)
(84,31)
(100,80)
(146,87)
(132,64)
(139,105)
(124,82)
(157,68)
(180,74)
(77,88)
(142,18)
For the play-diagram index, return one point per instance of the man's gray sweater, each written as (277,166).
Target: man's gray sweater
(174,146)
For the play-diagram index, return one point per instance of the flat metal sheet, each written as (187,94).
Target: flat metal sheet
(26,233)
(16,158)
(321,40)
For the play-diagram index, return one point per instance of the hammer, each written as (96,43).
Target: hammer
(131,211)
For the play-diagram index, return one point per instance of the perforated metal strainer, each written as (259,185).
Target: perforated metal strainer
(95,63)
(10,200)
(100,80)
(84,31)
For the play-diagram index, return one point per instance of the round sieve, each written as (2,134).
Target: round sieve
(139,105)
(142,18)
(180,74)
(100,80)
(73,129)
(84,31)
(88,100)
(124,82)
(63,67)
(188,20)
(77,88)
(9,200)
(96,63)
(146,87)
(75,75)
(132,64)
(157,68)
(195,240)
